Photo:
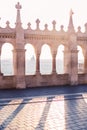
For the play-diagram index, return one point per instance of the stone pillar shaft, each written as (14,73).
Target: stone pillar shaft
(74,68)
(19,67)
(38,62)
(19,61)
(85,61)
(0,62)
(54,63)
(66,61)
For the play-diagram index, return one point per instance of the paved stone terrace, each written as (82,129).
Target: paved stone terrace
(66,111)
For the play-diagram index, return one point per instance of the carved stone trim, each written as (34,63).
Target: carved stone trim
(7,35)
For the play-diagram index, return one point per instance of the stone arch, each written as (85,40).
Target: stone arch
(30,60)
(39,45)
(60,59)
(45,60)
(7,59)
(80,59)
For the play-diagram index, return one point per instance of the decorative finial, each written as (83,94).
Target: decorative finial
(29,25)
(62,27)
(54,24)
(37,22)
(46,26)
(7,23)
(18,6)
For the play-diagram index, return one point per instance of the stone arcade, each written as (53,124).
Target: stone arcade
(18,37)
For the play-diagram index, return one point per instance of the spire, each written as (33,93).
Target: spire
(70,26)
(18,18)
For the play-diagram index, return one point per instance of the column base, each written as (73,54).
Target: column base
(21,86)
(74,82)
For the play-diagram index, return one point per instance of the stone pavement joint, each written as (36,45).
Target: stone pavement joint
(55,98)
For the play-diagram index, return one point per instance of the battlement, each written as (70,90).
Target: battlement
(46,30)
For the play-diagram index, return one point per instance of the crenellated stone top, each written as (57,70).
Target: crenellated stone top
(61,31)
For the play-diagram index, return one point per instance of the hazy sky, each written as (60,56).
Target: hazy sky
(46,11)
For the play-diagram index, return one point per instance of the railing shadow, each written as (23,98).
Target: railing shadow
(6,122)
(4,103)
(43,118)
(75,113)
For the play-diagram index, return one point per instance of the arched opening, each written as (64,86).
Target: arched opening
(7,59)
(45,60)
(60,60)
(30,60)
(80,60)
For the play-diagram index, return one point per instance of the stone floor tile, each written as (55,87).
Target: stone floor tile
(44,113)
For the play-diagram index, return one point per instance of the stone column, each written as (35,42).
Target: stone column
(73,72)
(85,60)
(74,67)
(37,63)
(19,67)
(66,60)
(0,63)
(1,74)
(54,62)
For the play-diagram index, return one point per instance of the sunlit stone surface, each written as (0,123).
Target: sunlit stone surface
(54,58)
